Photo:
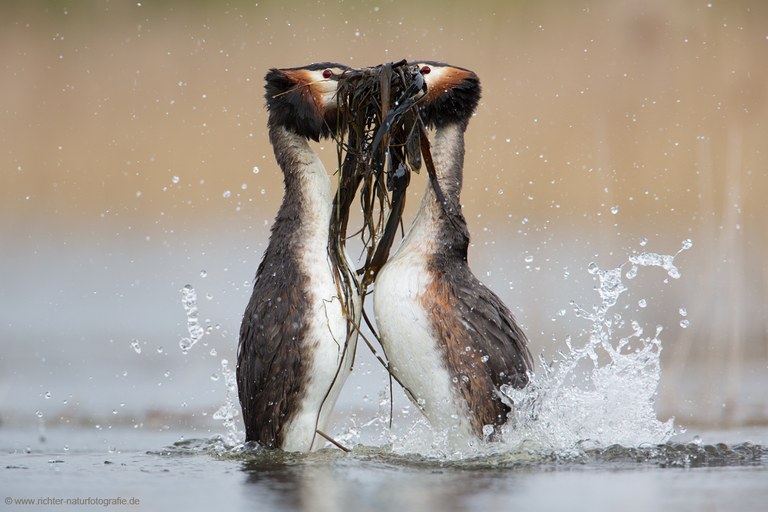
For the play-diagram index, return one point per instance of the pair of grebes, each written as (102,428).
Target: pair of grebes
(449,341)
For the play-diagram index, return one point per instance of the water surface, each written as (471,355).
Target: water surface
(200,474)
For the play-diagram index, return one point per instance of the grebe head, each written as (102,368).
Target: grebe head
(303,100)
(452,94)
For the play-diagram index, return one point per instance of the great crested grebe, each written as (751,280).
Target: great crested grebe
(450,341)
(296,346)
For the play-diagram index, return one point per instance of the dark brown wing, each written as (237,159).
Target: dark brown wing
(484,347)
(491,324)
(271,375)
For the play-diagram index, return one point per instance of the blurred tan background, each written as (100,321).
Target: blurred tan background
(135,160)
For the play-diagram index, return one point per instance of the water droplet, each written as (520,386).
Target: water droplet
(687,244)
(47,395)
(189,301)
(203,273)
(614,210)
(39,414)
(683,312)
(136,346)
(160,350)
(214,376)
(213,352)
(175,180)
(685,323)
(642,303)
(643,242)
(652,259)
(529,259)
(255,169)
(697,440)
(592,268)
(485,358)
(487,430)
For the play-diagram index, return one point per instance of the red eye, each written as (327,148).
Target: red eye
(425,70)
(327,73)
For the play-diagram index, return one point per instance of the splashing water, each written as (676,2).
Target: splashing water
(229,411)
(597,394)
(196,331)
(611,401)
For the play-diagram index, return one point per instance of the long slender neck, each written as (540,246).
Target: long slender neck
(308,198)
(448,156)
(442,226)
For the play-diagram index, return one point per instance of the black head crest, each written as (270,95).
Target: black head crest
(303,100)
(453,94)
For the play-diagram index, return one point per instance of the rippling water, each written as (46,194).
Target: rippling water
(206,473)
(668,455)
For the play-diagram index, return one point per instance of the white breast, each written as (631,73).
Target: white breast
(330,359)
(413,353)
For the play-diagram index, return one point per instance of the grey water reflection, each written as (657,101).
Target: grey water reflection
(357,485)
